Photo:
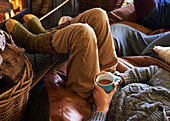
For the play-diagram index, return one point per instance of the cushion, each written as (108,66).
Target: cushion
(125,13)
(163,52)
(64,105)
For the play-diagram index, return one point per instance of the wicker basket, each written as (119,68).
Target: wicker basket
(13,101)
(107,5)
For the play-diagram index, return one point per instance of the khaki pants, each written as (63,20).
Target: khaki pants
(88,40)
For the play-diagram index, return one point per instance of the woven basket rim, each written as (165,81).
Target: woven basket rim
(14,100)
(28,65)
(12,105)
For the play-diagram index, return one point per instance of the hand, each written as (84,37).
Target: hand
(103,99)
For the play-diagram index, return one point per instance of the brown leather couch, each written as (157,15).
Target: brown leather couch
(65,105)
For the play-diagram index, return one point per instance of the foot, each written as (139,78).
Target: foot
(32,43)
(10,25)
(18,32)
(33,23)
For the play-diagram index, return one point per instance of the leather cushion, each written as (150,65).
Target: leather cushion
(65,105)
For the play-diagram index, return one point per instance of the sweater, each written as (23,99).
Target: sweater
(144,96)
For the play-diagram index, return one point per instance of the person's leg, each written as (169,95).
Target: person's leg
(77,39)
(80,40)
(32,43)
(98,20)
(129,41)
(33,24)
(163,40)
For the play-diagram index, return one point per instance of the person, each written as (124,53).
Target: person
(152,14)
(87,39)
(144,96)
(131,42)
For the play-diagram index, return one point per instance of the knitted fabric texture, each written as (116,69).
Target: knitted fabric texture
(146,90)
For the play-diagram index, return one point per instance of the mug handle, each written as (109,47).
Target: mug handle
(115,79)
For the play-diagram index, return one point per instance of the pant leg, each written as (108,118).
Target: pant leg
(162,40)
(129,41)
(80,40)
(98,20)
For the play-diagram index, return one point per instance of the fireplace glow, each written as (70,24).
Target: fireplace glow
(12,13)
(17,7)
(7,15)
(17,4)
(14,9)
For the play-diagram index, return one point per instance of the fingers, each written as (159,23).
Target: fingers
(116,83)
(113,91)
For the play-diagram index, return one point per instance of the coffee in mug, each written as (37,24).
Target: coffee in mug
(105,81)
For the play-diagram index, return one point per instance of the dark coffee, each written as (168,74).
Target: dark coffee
(104,82)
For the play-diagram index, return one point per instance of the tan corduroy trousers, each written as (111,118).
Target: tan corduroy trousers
(88,40)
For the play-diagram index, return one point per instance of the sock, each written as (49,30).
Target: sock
(32,43)
(33,24)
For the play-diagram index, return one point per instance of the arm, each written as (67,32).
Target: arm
(139,74)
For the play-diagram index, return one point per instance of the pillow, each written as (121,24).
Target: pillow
(125,13)
(163,52)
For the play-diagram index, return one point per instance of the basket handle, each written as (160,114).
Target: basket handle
(9,38)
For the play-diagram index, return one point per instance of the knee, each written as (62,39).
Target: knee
(84,33)
(99,13)
(119,25)
(121,29)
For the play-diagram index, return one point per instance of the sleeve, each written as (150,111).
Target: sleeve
(139,74)
(97,116)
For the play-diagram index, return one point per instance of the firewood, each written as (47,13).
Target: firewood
(13,63)
(2,17)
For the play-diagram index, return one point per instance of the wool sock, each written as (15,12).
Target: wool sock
(33,24)
(32,43)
